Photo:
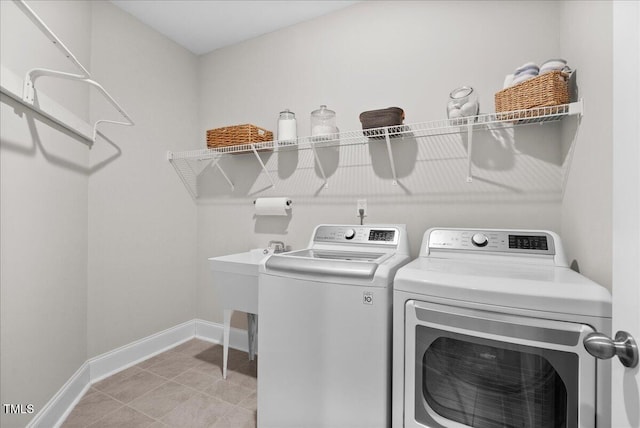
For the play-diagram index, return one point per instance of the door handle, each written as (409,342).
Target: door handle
(602,346)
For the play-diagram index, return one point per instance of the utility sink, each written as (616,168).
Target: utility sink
(235,281)
(240,263)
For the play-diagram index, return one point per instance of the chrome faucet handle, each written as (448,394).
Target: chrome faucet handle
(278,246)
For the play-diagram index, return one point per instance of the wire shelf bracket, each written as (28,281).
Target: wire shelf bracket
(317,160)
(391,161)
(264,168)
(519,117)
(469,151)
(47,107)
(190,165)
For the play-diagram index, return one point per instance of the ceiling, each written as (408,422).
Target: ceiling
(206,25)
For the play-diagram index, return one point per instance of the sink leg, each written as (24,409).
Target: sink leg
(225,344)
(252,322)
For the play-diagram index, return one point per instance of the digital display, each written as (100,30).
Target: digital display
(381,235)
(527,242)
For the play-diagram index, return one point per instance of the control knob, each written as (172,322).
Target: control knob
(479,240)
(349,234)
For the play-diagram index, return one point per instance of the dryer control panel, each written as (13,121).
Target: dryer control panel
(373,235)
(489,240)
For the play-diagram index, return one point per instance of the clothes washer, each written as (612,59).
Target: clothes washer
(488,332)
(325,329)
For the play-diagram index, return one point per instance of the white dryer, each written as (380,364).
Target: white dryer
(325,329)
(488,332)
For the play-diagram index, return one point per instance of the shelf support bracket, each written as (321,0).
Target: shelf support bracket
(186,173)
(264,168)
(317,160)
(469,150)
(217,164)
(28,95)
(391,160)
(189,175)
(29,92)
(569,159)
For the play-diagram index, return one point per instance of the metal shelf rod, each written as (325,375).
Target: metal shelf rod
(24,7)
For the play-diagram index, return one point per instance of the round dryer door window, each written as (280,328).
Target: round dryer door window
(470,368)
(486,386)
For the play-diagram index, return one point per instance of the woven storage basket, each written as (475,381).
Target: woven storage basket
(549,89)
(237,135)
(386,117)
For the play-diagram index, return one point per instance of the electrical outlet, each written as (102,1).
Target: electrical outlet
(362,205)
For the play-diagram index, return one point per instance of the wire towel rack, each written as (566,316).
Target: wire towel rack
(52,110)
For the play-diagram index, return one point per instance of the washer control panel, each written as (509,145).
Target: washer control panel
(357,235)
(505,241)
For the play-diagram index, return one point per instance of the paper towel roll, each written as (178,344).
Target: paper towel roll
(272,206)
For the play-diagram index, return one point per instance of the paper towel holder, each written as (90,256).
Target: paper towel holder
(289,202)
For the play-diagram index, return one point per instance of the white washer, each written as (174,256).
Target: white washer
(325,329)
(488,332)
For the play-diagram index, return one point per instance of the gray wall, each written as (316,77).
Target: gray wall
(43,216)
(374,55)
(142,223)
(98,245)
(586,39)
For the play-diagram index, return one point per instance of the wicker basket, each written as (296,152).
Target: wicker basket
(549,89)
(237,135)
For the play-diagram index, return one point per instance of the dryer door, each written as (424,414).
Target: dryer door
(472,368)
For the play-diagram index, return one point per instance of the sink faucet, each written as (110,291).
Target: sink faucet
(277,246)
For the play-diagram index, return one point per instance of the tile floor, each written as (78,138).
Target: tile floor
(182,387)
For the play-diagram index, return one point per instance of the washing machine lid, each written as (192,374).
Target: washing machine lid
(524,286)
(359,254)
(346,264)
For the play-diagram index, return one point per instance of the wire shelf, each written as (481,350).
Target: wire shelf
(384,134)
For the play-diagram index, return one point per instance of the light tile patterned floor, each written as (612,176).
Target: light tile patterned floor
(182,387)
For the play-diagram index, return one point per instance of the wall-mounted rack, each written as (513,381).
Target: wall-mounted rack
(25,92)
(190,164)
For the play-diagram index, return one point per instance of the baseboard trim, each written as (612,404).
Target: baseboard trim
(58,408)
(131,354)
(213,332)
(54,413)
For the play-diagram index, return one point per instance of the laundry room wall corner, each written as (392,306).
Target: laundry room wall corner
(142,222)
(587,42)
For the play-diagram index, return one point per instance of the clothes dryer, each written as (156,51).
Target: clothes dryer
(488,331)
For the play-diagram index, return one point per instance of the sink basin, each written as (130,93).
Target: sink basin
(235,279)
(240,263)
